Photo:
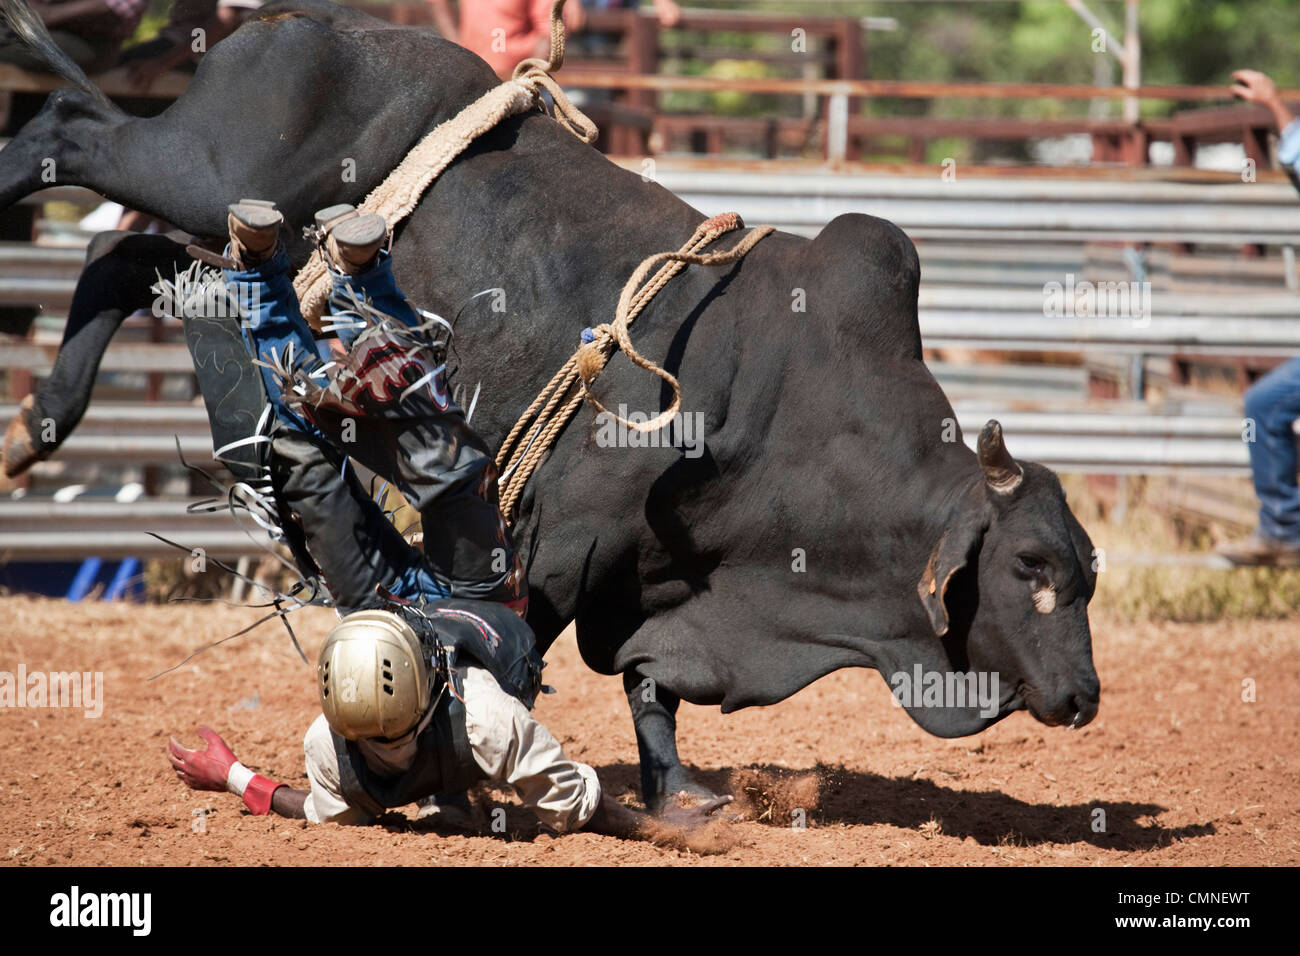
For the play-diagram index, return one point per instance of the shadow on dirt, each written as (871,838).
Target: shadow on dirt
(987,816)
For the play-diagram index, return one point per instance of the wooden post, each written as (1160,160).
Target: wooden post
(643,55)
(1254,139)
(849,58)
(1136,146)
(1132,60)
(850,64)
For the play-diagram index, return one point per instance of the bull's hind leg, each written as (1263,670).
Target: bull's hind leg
(120,269)
(80,139)
(62,145)
(654,714)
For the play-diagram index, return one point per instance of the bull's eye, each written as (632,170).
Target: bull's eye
(1030,566)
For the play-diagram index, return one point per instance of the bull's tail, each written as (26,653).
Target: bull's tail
(22,19)
(49,148)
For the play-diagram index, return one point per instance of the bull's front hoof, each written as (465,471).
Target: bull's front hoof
(20,451)
(683,792)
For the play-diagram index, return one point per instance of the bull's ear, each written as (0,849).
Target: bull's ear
(950,555)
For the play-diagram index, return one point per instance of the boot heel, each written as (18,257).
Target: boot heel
(351,240)
(254,226)
(256,214)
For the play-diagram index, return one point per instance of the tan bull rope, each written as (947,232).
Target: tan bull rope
(518,459)
(398,194)
(401,190)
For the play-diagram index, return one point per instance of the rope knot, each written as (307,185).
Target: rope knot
(593,354)
(535,432)
(723,222)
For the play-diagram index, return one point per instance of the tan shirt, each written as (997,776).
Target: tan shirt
(509,745)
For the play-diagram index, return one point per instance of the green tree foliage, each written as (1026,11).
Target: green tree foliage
(1183,41)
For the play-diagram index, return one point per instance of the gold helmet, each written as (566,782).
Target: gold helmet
(373,677)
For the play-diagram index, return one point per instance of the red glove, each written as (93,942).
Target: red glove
(210,770)
(202,769)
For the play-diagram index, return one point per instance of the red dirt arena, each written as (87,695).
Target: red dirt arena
(1185,770)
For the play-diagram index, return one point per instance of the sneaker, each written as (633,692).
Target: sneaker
(349,240)
(1260,549)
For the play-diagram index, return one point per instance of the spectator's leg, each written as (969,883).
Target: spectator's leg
(1273,403)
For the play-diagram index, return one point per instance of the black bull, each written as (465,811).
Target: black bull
(834,517)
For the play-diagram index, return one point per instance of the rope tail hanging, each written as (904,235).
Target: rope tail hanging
(532,436)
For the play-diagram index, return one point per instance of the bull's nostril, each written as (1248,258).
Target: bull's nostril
(1084,709)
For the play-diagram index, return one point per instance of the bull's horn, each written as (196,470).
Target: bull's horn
(1000,469)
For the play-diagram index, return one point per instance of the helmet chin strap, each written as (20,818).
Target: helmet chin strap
(390,597)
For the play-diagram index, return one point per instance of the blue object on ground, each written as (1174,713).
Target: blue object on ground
(85,579)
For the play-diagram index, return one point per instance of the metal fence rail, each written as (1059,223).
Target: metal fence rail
(1230,335)
(1080,440)
(1116,442)
(949,317)
(44,530)
(1053,210)
(1114,437)
(141,434)
(985,294)
(118,357)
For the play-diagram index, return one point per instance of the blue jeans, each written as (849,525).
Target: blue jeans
(273,323)
(330,501)
(1274,404)
(379,287)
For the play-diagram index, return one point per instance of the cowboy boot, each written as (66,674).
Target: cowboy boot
(351,241)
(254,229)
(361,272)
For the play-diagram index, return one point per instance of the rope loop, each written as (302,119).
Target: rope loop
(536,430)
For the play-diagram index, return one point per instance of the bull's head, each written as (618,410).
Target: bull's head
(1006,591)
